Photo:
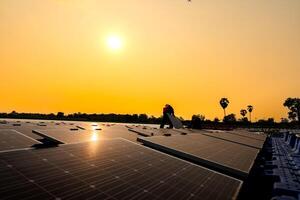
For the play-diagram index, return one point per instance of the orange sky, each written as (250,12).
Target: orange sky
(54,57)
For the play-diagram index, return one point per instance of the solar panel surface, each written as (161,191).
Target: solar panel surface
(254,135)
(108,169)
(68,136)
(219,154)
(11,139)
(26,127)
(150,131)
(236,138)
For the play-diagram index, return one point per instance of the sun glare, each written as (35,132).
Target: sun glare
(114,42)
(94,136)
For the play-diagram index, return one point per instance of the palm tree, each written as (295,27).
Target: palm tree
(250,109)
(243,112)
(224,103)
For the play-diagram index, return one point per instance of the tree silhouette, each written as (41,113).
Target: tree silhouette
(216,119)
(200,117)
(284,120)
(230,118)
(224,103)
(293,104)
(197,121)
(60,114)
(243,112)
(250,109)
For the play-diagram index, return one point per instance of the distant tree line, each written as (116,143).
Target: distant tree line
(197,121)
(230,122)
(122,118)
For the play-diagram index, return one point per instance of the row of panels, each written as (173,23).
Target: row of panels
(232,152)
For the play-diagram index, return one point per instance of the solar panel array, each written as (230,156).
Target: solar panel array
(69,132)
(88,163)
(219,154)
(11,139)
(108,169)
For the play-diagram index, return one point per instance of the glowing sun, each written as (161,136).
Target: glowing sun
(114,42)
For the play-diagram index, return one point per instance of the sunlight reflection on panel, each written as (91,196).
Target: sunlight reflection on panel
(94,136)
(94,144)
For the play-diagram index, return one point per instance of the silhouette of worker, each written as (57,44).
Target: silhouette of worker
(166,120)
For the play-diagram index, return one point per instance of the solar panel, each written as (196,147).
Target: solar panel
(87,125)
(108,169)
(241,132)
(231,137)
(150,131)
(254,135)
(236,138)
(91,125)
(26,128)
(255,140)
(3,122)
(117,131)
(12,139)
(227,157)
(69,136)
(5,126)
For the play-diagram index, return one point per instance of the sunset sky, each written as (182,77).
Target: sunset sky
(133,56)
